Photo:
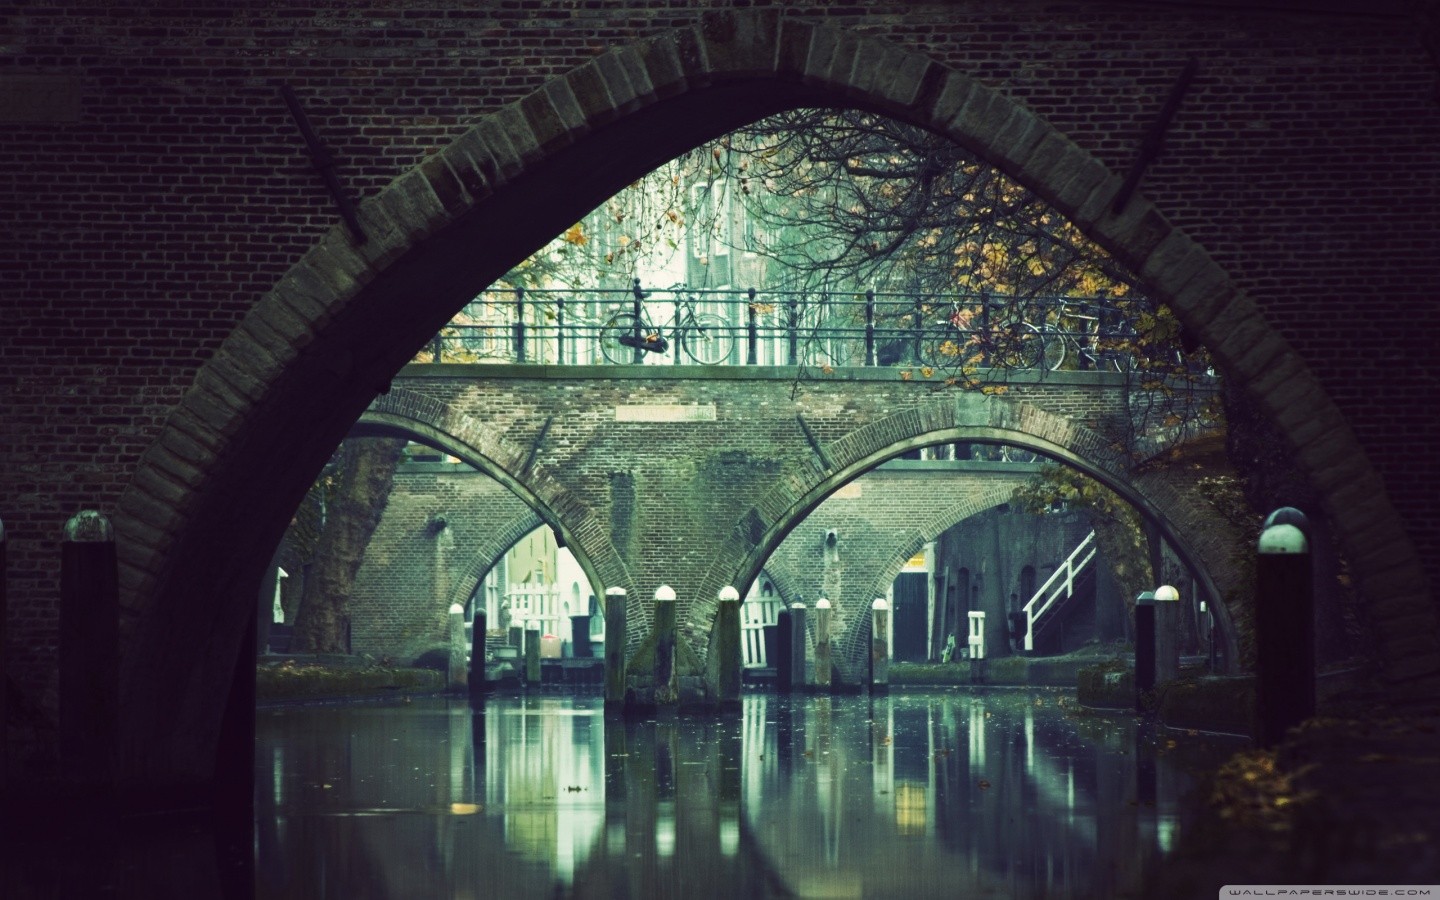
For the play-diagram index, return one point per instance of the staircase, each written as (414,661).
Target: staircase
(1058,588)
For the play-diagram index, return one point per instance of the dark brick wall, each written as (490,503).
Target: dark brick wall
(165,189)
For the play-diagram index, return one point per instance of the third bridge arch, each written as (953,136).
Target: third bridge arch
(694,478)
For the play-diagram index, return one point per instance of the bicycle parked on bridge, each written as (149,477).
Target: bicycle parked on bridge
(996,336)
(1096,336)
(627,336)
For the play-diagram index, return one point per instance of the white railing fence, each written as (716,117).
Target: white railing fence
(1058,587)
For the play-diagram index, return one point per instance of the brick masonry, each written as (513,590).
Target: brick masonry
(185,320)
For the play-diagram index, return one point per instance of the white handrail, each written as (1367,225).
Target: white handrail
(1066,575)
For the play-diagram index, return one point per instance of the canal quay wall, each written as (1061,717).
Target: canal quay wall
(196,318)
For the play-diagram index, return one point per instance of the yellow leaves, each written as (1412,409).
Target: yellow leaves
(927,371)
(906,375)
(575,234)
(827,369)
(993,390)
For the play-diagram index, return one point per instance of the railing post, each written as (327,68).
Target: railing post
(879,646)
(870,327)
(752,332)
(822,645)
(520,324)
(667,693)
(437,347)
(985,335)
(792,329)
(675,351)
(638,308)
(614,648)
(917,328)
(1144,649)
(727,644)
(89,650)
(560,329)
(1284,625)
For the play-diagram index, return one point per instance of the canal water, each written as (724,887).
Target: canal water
(993,794)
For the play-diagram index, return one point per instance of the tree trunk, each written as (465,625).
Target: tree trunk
(362,476)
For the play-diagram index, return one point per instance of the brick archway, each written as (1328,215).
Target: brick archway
(440,426)
(313,352)
(962,418)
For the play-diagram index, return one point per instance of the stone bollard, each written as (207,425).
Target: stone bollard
(799,644)
(784,646)
(4,698)
(614,648)
(823,615)
(1167,634)
(89,650)
(478,684)
(667,692)
(532,652)
(455,668)
(1284,626)
(727,645)
(1144,649)
(880,646)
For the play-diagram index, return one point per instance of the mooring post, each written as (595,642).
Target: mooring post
(1167,634)
(532,652)
(478,684)
(784,649)
(823,615)
(880,646)
(727,645)
(614,649)
(1144,649)
(975,622)
(1284,625)
(4,698)
(89,650)
(455,669)
(667,692)
(799,645)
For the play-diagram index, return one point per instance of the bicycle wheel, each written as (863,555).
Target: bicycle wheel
(618,326)
(1024,348)
(707,339)
(1055,347)
(943,347)
(1017,454)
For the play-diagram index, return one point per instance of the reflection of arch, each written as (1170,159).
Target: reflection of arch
(312,353)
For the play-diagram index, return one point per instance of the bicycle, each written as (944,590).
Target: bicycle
(1010,343)
(627,336)
(1095,340)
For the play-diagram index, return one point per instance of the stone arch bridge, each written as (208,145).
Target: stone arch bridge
(693,477)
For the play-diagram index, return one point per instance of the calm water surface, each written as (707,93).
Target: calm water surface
(997,794)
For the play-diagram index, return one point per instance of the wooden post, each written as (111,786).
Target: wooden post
(879,646)
(1167,634)
(799,644)
(479,686)
(727,645)
(1144,649)
(4,678)
(1284,626)
(823,615)
(614,648)
(89,650)
(455,677)
(784,648)
(532,652)
(667,692)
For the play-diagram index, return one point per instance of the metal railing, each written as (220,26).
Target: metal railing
(740,326)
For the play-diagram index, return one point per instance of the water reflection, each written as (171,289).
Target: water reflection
(998,794)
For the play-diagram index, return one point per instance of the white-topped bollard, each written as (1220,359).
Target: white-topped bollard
(879,646)
(1284,625)
(456,671)
(614,648)
(667,692)
(1167,633)
(727,646)
(799,646)
(823,615)
(89,650)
